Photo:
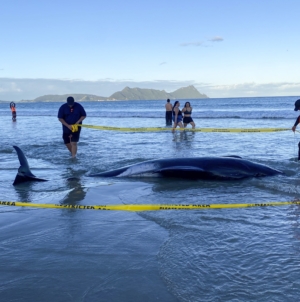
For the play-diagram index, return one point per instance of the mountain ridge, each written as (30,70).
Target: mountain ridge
(132,94)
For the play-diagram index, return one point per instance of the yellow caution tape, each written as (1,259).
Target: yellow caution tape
(147,207)
(157,129)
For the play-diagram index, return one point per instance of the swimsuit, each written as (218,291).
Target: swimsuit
(179,116)
(187,119)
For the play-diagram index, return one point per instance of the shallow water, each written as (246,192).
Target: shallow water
(204,255)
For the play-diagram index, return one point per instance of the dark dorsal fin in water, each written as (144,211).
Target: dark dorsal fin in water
(24,174)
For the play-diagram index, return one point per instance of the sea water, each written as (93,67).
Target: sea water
(250,254)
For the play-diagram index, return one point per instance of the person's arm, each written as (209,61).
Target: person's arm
(176,114)
(82,114)
(60,117)
(65,123)
(81,119)
(175,110)
(296,123)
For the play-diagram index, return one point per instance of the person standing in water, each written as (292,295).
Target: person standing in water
(177,116)
(168,113)
(13,111)
(69,114)
(297,107)
(187,111)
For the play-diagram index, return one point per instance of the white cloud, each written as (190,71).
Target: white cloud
(216,39)
(251,89)
(200,43)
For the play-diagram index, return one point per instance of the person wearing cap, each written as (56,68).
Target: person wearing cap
(69,114)
(297,107)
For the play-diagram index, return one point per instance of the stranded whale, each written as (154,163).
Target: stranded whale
(218,168)
(211,168)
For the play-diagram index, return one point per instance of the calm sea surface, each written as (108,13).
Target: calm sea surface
(248,254)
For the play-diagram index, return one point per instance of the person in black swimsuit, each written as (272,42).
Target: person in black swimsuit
(187,111)
(177,116)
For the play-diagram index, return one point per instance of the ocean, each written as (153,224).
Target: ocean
(247,254)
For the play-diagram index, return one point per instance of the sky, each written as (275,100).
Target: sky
(225,48)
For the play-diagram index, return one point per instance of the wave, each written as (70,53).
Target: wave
(210,114)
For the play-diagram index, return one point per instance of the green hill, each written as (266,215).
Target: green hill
(63,97)
(189,92)
(127,93)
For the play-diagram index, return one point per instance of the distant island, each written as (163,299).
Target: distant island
(134,94)
(127,93)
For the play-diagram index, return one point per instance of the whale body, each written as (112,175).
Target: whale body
(210,168)
(227,167)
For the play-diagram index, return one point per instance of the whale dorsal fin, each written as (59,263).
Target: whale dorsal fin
(24,173)
(24,166)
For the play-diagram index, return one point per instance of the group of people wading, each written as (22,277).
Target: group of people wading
(173,113)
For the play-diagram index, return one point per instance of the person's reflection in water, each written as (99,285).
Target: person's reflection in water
(77,193)
(188,137)
(185,138)
(178,136)
(73,183)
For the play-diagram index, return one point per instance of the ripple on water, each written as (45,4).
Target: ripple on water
(228,259)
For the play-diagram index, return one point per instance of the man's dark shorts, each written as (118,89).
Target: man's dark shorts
(74,137)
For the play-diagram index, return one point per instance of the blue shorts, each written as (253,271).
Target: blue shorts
(179,119)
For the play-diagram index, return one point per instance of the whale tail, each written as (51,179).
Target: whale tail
(24,174)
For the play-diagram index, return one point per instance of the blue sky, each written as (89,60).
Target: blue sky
(225,48)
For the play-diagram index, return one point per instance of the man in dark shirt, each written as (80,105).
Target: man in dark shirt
(297,107)
(69,114)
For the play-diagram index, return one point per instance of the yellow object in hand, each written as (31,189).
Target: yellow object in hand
(74,128)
